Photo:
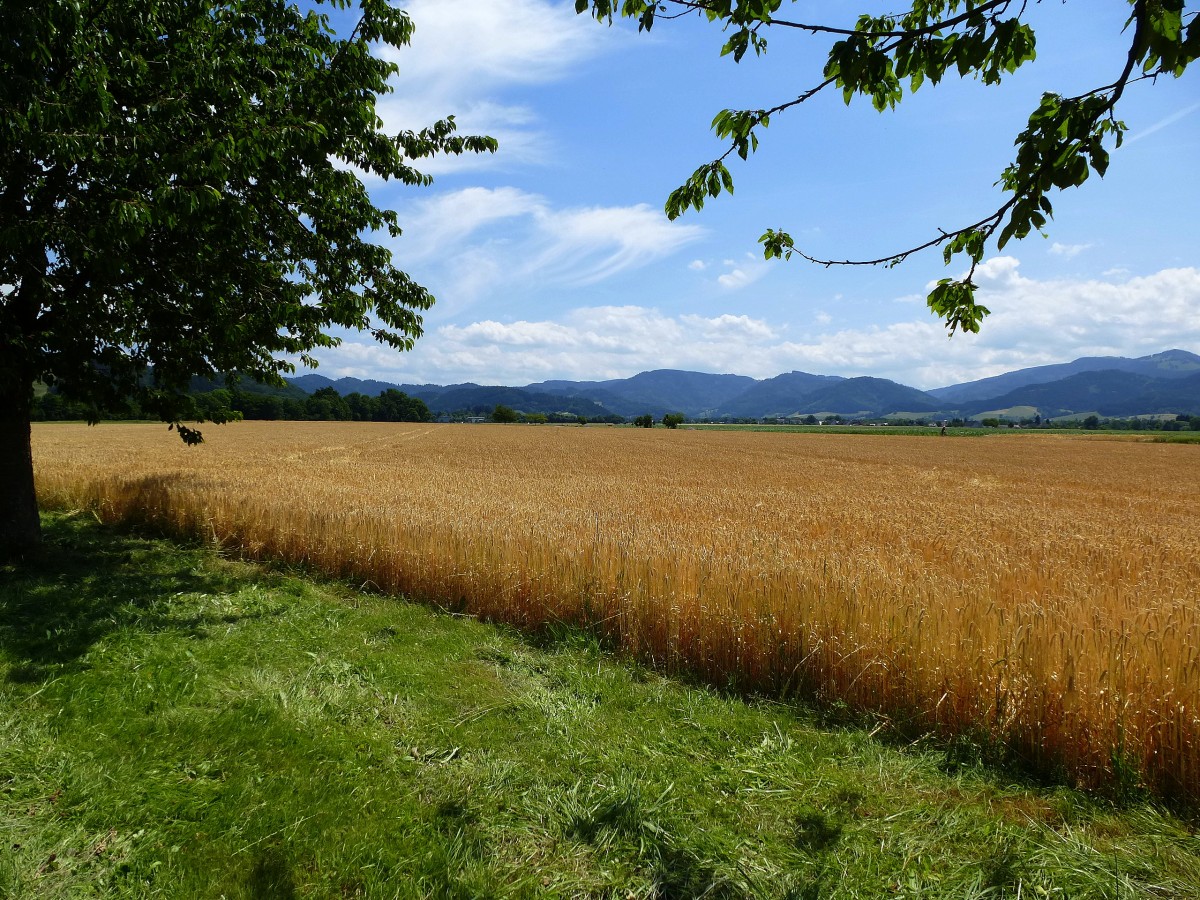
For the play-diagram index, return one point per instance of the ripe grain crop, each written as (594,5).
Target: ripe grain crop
(1035,595)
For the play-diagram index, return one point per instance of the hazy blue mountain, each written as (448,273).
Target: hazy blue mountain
(560,386)
(201,385)
(692,393)
(1177,395)
(1115,386)
(481,400)
(312,382)
(1105,392)
(1168,364)
(778,396)
(430,392)
(581,390)
(656,392)
(868,396)
(1171,364)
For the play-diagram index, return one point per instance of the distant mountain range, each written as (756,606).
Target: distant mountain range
(1167,382)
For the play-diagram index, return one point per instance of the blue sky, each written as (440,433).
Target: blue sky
(553,258)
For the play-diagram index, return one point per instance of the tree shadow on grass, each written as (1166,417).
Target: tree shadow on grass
(87,581)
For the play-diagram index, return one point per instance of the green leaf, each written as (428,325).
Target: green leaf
(954,301)
(213,221)
(776,244)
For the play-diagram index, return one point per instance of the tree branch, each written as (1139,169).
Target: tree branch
(987,225)
(983,9)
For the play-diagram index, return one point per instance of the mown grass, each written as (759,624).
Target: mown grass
(174,724)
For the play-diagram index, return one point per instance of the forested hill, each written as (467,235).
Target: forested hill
(1162,383)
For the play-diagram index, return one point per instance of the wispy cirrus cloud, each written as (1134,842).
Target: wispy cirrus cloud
(744,272)
(465,58)
(1068,251)
(735,274)
(479,240)
(1165,122)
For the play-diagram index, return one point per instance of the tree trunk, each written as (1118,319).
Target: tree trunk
(20,529)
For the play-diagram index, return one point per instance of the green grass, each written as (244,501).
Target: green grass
(1158,437)
(175,724)
(919,430)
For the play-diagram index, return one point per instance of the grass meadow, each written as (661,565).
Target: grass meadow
(1030,599)
(178,724)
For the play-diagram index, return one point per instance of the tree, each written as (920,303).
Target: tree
(326,403)
(179,196)
(217,404)
(505,415)
(646,421)
(673,420)
(1066,138)
(362,407)
(396,406)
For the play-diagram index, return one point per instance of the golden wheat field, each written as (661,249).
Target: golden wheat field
(1037,592)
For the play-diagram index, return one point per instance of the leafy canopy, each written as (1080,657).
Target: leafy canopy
(1067,138)
(181,191)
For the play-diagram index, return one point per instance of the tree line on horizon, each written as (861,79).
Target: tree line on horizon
(263,403)
(230,403)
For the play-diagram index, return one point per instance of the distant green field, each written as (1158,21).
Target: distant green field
(852,429)
(1166,437)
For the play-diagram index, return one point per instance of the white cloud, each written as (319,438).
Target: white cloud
(477,240)
(583,246)
(998,270)
(517,334)
(1033,323)
(458,43)
(1130,316)
(744,272)
(728,325)
(450,218)
(1068,250)
(697,265)
(465,54)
